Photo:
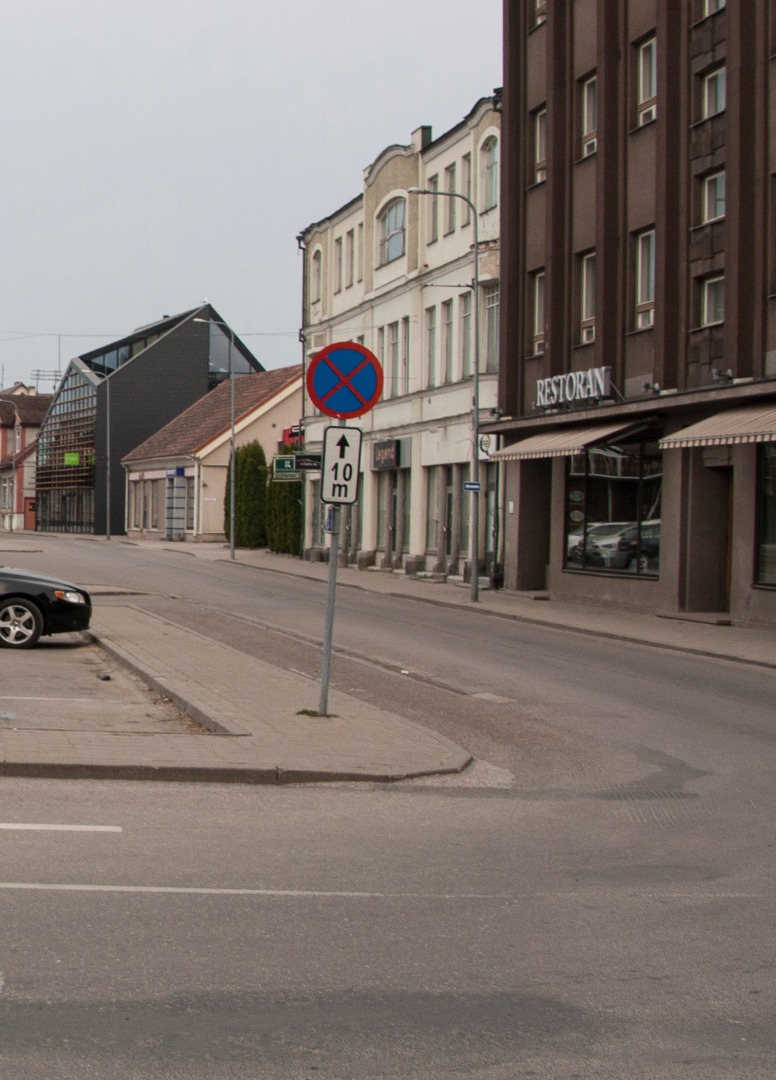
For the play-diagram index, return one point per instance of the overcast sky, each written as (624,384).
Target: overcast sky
(160,152)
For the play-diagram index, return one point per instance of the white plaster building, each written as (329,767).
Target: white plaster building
(394,272)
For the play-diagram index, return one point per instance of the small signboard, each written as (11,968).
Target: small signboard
(340,465)
(284,467)
(308,462)
(471,485)
(72,457)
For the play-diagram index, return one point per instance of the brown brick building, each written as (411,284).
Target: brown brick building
(638,337)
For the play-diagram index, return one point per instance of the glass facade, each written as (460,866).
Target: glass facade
(66,458)
(613,499)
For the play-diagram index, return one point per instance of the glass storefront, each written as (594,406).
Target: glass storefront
(613,497)
(766,515)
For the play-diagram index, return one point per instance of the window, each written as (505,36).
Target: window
(613,499)
(647,84)
(392,359)
(447,339)
(338,264)
(710,7)
(465,311)
(490,172)
(645,279)
(466,187)
(392,231)
(350,258)
(713,203)
(433,202)
(540,12)
(405,356)
(451,203)
(537,311)
(360,252)
(431,346)
(540,145)
(713,301)
(589,116)
(714,93)
(315,286)
(492,317)
(766,514)
(587,297)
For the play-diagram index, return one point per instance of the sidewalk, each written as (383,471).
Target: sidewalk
(259,723)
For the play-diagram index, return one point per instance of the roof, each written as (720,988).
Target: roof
(30,408)
(210,417)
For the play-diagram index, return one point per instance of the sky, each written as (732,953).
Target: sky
(159,153)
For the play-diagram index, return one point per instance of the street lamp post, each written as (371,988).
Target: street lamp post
(230,332)
(474,543)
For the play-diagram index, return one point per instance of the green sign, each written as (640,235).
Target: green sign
(284,467)
(72,458)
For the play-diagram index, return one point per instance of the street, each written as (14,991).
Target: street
(594,897)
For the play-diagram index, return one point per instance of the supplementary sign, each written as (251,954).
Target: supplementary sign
(344,380)
(340,465)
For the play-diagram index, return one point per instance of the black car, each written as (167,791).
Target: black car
(33,604)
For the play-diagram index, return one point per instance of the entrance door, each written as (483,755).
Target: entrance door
(29,514)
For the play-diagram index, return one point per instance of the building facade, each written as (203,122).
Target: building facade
(113,398)
(638,373)
(395,271)
(22,411)
(177,479)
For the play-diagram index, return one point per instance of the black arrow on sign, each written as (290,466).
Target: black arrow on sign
(343,444)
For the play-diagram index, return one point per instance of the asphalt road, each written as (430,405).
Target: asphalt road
(594,899)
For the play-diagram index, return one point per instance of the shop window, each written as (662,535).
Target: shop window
(613,498)
(766,547)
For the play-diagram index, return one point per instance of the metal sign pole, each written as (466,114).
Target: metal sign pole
(329,625)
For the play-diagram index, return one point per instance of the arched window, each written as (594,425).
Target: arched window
(315,285)
(490,172)
(393,227)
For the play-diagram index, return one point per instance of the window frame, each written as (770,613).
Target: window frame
(646,88)
(390,229)
(491,300)
(588,131)
(430,327)
(707,218)
(490,173)
(539,144)
(645,279)
(538,299)
(587,297)
(350,258)
(707,283)
(338,264)
(718,78)
(316,276)
(450,182)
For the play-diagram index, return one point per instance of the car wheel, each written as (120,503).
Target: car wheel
(21,624)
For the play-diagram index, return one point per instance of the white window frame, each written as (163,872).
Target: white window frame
(404,375)
(350,258)
(392,358)
(450,181)
(466,187)
(710,305)
(490,173)
(431,347)
(711,198)
(647,82)
(645,279)
(538,286)
(447,340)
(711,7)
(491,296)
(316,283)
(714,93)
(589,116)
(465,316)
(587,268)
(393,226)
(432,232)
(540,145)
(338,264)
(540,12)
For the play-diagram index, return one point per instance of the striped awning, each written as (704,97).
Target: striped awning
(560,442)
(751,424)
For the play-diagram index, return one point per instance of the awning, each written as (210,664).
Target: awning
(561,442)
(752,424)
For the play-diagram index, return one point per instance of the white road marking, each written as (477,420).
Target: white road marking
(302,893)
(34,827)
(17,698)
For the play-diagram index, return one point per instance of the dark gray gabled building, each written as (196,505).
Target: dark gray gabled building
(112,399)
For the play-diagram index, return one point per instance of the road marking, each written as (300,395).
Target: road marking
(16,697)
(302,893)
(34,827)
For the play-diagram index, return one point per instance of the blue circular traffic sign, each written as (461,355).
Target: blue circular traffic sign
(344,380)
